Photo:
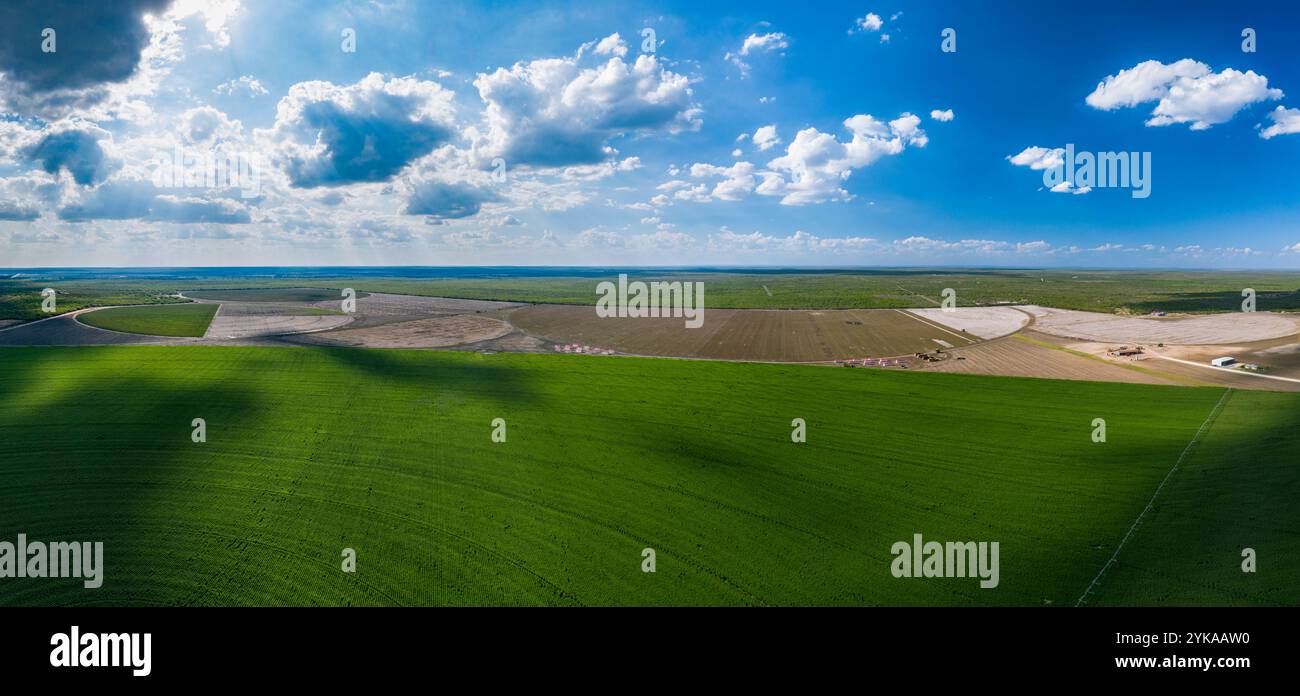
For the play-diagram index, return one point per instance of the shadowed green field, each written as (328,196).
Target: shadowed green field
(1237,491)
(154,320)
(310,451)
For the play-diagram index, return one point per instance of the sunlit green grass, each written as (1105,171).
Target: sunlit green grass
(154,320)
(310,451)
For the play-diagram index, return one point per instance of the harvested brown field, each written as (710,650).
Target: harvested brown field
(514,342)
(437,332)
(377,308)
(1035,355)
(235,327)
(746,334)
(262,309)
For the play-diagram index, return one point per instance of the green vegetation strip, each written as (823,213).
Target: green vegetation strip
(1137,292)
(311,451)
(270,295)
(21,299)
(156,320)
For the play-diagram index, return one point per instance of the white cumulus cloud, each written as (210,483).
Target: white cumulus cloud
(765,138)
(555,112)
(871,22)
(815,163)
(1036,157)
(774,41)
(245,84)
(1285,121)
(754,43)
(1186,91)
(611,45)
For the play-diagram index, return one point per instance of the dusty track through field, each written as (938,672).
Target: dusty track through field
(1221,370)
(913,293)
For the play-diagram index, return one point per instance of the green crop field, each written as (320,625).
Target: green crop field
(155,320)
(310,451)
(1238,493)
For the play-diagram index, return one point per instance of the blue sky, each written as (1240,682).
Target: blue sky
(819,134)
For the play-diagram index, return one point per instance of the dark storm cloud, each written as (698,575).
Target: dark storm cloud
(365,144)
(11,212)
(77,151)
(443,200)
(557,147)
(98,41)
(138,200)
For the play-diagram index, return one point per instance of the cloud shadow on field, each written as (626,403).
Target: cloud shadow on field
(1236,490)
(130,493)
(439,371)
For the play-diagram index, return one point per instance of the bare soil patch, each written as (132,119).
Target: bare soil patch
(984,322)
(437,332)
(262,309)
(1014,357)
(744,334)
(250,326)
(1230,328)
(1280,357)
(377,309)
(1198,374)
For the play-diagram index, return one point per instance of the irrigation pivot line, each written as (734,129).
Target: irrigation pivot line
(1151,503)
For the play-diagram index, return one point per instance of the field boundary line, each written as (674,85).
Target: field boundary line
(212,322)
(935,326)
(61,315)
(1151,503)
(34,321)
